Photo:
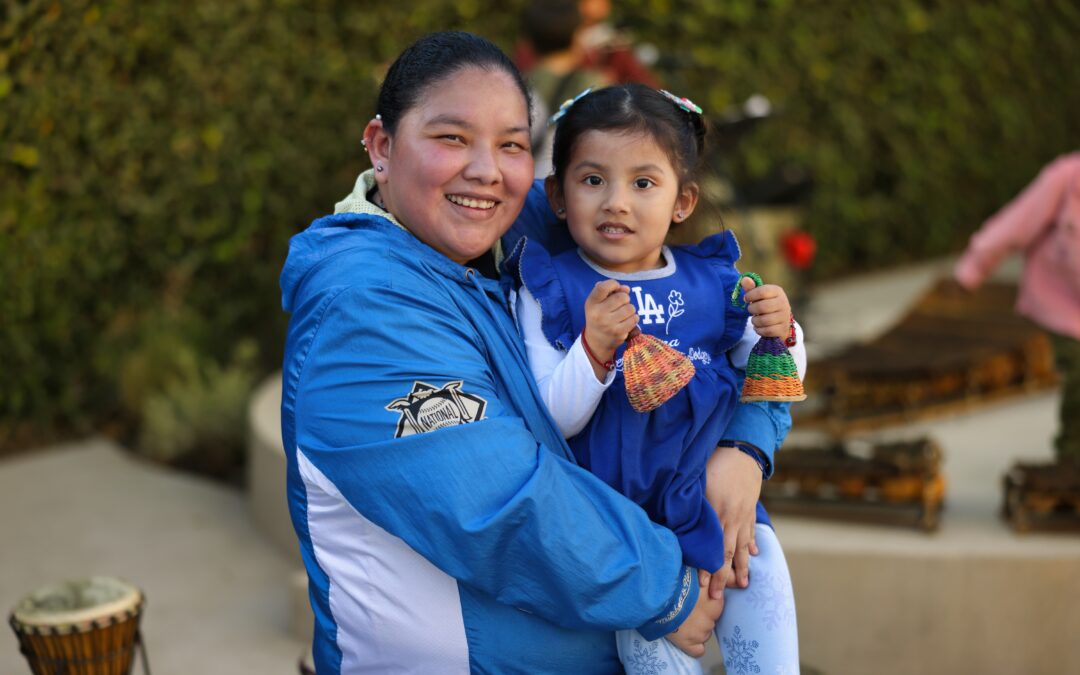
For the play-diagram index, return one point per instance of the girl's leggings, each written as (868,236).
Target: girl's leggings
(756,632)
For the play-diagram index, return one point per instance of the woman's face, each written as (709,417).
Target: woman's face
(458,168)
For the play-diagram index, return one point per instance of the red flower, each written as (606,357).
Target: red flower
(799,248)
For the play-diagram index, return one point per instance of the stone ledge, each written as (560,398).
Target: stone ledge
(267,468)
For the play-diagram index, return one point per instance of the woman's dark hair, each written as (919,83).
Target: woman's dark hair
(432,59)
(633,108)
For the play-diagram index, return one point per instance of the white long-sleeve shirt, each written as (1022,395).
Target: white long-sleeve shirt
(566,380)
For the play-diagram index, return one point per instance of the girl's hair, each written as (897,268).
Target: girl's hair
(633,108)
(432,59)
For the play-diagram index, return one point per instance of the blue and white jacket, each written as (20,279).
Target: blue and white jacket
(443,523)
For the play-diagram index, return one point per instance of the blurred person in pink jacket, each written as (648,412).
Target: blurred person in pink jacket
(1043,221)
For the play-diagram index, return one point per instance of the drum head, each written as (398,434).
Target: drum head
(76,602)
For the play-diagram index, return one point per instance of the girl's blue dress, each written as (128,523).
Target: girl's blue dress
(658,458)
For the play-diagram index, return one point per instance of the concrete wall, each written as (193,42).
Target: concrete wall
(266,468)
(886,614)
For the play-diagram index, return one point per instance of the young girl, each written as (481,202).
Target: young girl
(624,161)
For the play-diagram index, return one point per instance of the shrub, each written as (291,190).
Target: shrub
(917,119)
(156,156)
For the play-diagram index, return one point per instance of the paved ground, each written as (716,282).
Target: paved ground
(218,591)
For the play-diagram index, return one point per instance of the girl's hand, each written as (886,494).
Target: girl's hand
(609,317)
(770,310)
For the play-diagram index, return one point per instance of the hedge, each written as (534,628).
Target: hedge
(916,120)
(155,159)
(156,156)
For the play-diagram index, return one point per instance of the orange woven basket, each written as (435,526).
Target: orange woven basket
(653,370)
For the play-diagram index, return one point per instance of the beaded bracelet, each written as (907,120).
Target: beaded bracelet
(790,340)
(607,365)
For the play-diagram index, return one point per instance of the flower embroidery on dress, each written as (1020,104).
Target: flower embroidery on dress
(674,308)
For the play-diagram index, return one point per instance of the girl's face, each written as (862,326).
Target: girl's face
(621,194)
(458,167)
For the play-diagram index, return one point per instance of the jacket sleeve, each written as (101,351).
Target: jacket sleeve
(1016,225)
(482,500)
(763,425)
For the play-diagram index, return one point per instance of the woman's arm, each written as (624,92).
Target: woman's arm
(481,499)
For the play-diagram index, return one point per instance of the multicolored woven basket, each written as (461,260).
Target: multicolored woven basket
(771,374)
(653,371)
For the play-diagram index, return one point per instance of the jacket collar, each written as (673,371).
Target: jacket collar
(357,201)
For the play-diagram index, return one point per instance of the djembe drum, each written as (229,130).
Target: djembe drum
(82,627)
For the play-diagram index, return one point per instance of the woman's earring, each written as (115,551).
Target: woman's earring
(379,168)
(363,142)
(560,212)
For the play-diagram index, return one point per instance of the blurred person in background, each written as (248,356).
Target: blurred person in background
(1042,222)
(605,48)
(554,30)
(612,50)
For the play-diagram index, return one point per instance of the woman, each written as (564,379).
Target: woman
(442,522)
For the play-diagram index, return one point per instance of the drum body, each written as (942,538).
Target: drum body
(84,627)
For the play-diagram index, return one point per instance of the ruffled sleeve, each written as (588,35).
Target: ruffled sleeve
(722,247)
(721,251)
(529,265)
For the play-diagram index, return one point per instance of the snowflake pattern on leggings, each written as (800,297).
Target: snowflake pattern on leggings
(740,654)
(771,594)
(644,660)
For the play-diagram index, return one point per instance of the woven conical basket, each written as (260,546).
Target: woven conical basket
(654,371)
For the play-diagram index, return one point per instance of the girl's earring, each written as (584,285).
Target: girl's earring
(379,167)
(560,212)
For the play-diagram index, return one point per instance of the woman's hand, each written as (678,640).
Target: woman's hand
(696,630)
(733,486)
(609,318)
(769,307)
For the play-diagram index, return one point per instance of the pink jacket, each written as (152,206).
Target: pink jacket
(1044,222)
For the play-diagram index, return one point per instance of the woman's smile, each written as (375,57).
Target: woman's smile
(473,203)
